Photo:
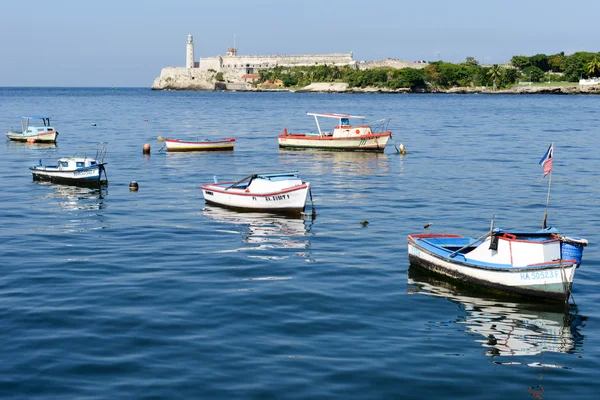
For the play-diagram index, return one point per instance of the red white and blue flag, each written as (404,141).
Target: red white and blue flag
(546,161)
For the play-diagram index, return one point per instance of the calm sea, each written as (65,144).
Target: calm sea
(152,294)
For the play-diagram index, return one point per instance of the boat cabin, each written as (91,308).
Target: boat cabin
(343,127)
(28,127)
(71,163)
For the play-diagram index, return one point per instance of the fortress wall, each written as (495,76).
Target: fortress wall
(181,78)
(260,62)
(390,62)
(210,63)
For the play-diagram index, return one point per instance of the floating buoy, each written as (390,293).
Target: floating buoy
(160,139)
(364,222)
(402,149)
(31,140)
(145,120)
(146,149)
(133,186)
(93,124)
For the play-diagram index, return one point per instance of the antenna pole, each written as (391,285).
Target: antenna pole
(548,198)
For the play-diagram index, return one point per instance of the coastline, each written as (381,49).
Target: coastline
(326,87)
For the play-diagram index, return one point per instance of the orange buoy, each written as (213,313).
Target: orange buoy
(31,140)
(146,149)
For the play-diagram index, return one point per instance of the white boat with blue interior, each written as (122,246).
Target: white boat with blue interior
(540,264)
(33,133)
(80,169)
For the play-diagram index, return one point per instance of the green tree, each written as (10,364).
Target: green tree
(540,61)
(556,62)
(520,62)
(593,67)
(495,73)
(471,61)
(533,74)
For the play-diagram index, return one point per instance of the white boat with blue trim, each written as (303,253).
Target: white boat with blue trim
(344,137)
(277,192)
(540,264)
(33,133)
(80,169)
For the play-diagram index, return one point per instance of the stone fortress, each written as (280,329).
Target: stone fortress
(239,71)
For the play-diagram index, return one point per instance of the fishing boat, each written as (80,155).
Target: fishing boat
(275,192)
(344,136)
(30,133)
(199,145)
(80,169)
(540,264)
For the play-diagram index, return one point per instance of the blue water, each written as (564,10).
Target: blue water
(152,294)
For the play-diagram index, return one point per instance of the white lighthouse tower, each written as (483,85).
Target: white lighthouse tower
(189,52)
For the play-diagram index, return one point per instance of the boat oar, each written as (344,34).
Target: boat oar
(470,244)
(240,181)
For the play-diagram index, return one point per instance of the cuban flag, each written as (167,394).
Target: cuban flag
(546,161)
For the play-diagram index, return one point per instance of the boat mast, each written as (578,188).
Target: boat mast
(548,198)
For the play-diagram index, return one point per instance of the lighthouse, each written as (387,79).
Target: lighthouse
(189,53)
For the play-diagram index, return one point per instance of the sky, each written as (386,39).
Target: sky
(126,43)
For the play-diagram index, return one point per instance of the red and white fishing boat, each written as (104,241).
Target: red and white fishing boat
(267,192)
(200,145)
(344,136)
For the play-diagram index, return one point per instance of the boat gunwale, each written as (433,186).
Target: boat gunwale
(562,264)
(225,191)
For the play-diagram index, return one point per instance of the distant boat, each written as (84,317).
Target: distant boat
(80,169)
(279,192)
(540,264)
(41,133)
(200,145)
(344,137)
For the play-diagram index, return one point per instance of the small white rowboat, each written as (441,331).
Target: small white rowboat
(200,145)
(266,192)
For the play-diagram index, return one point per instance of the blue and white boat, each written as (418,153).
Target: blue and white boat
(540,264)
(34,133)
(80,169)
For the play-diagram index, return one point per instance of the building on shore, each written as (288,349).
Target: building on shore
(235,69)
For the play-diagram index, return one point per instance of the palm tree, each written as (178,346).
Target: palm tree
(495,73)
(593,66)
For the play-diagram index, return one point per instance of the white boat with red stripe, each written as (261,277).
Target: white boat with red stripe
(200,145)
(278,192)
(345,137)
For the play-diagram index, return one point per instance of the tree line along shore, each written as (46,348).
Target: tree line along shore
(541,73)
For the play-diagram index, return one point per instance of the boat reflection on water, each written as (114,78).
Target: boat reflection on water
(265,231)
(507,328)
(14,146)
(341,162)
(71,197)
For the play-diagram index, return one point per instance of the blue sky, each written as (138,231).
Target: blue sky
(126,43)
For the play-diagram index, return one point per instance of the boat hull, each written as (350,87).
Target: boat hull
(371,143)
(291,199)
(180,145)
(91,176)
(547,281)
(43,137)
